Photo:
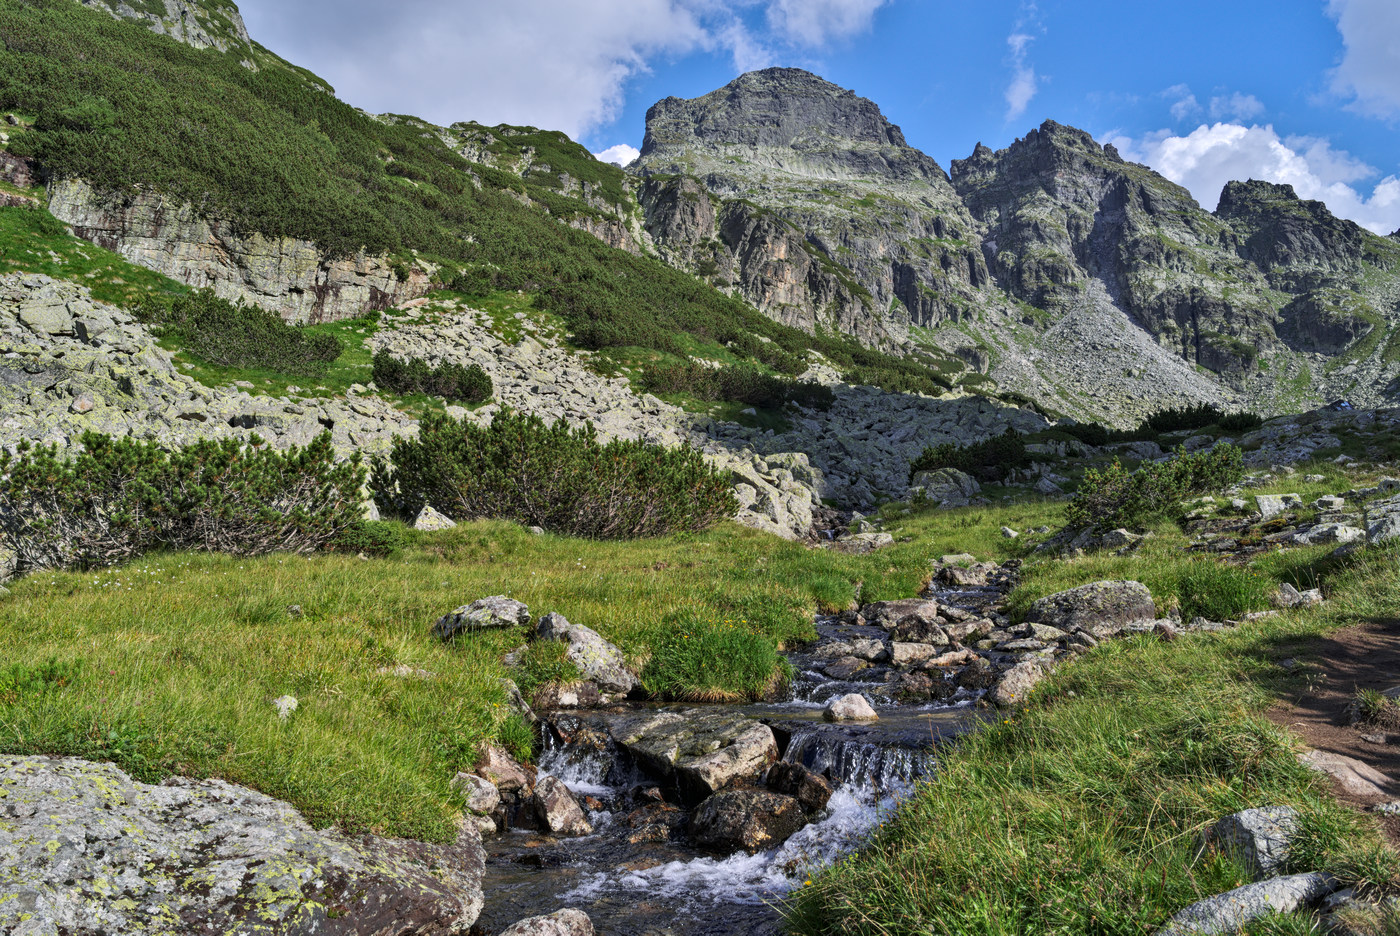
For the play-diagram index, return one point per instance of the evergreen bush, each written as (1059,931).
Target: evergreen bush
(238,335)
(991,459)
(561,479)
(740,383)
(453,382)
(119,498)
(1114,497)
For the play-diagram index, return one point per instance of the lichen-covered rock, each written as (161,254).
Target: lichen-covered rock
(1015,685)
(1258,837)
(947,487)
(562,923)
(754,820)
(699,752)
(599,661)
(1231,911)
(480,794)
(84,849)
(1099,607)
(430,521)
(497,611)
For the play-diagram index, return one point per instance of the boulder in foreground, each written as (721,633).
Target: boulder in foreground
(86,849)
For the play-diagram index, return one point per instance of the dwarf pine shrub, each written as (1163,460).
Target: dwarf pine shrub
(555,477)
(119,498)
(238,335)
(1114,497)
(450,381)
(741,383)
(990,459)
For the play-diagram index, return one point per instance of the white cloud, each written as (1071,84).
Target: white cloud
(559,64)
(1184,103)
(1369,72)
(619,155)
(1025,83)
(1212,155)
(1236,106)
(816,22)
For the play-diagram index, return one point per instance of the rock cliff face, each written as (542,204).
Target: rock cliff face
(805,199)
(199,23)
(286,275)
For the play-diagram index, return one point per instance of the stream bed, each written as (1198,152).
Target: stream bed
(636,884)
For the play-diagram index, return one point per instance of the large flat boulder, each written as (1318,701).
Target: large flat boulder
(492,613)
(698,752)
(754,820)
(1099,607)
(86,849)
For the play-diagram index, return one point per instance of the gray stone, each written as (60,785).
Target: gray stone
(907,654)
(1009,533)
(568,922)
(1106,606)
(429,520)
(754,820)
(1014,687)
(597,660)
(1339,533)
(1231,911)
(501,771)
(874,651)
(1329,502)
(887,614)
(85,849)
(811,789)
(1353,776)
(1271,505)
(852,707)
(1119,539)
(557,810)
(480,794)
(1257,837)
(947,487)
(700,752)
(483,614)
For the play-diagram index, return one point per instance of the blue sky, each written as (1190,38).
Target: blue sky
(1298,91)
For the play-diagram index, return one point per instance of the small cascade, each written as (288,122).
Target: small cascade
(859,764)
(586,769)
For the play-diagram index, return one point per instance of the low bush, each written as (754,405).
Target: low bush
(1114,497)
(741,383)
(561,479)
(20,680)
(453,382)
(1088,433)
(990,460)
(1376,709)
(237,335)
(1196,417)
(373,538)
(702,660)
(1241,422)
(119,498)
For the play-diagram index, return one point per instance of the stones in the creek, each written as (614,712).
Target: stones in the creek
(754,820)
(1102,608)
(430,521)
(557,810)
(810,789)
(697,752)
(599,661)
(502,771)
(480,794)
(86,849)
(1015,686)
(483,614)
(1232,911)
(568,922)
(843,668)
(852,707)
(909,654)
(1257,837)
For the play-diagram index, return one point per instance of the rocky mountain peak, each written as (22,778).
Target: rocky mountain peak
(1282,230)
(775,107)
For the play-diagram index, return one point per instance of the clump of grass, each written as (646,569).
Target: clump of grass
(1370,707)
(1220,592)
(707,660)
(544,662)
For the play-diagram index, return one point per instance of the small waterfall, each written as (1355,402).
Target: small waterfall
(859,764)
(590,768)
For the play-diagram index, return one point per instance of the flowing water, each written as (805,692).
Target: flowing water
(661,888)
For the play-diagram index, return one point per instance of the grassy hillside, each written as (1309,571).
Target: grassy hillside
(272,151)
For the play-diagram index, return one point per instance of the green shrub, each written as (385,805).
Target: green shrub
(1187,417)
(119,498)
(19,680)
(1241,422)
(378,538)
(1220,592)
(991,459)
(742,383)
(561,479)
(1088,433)
(237,335)
(451,381)
(714,661)
(1112,497)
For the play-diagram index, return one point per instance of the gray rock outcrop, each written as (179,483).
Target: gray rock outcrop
(1105,607)
(697,751)
(85,849)
(1257,837)
(491,613)
(598,661)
